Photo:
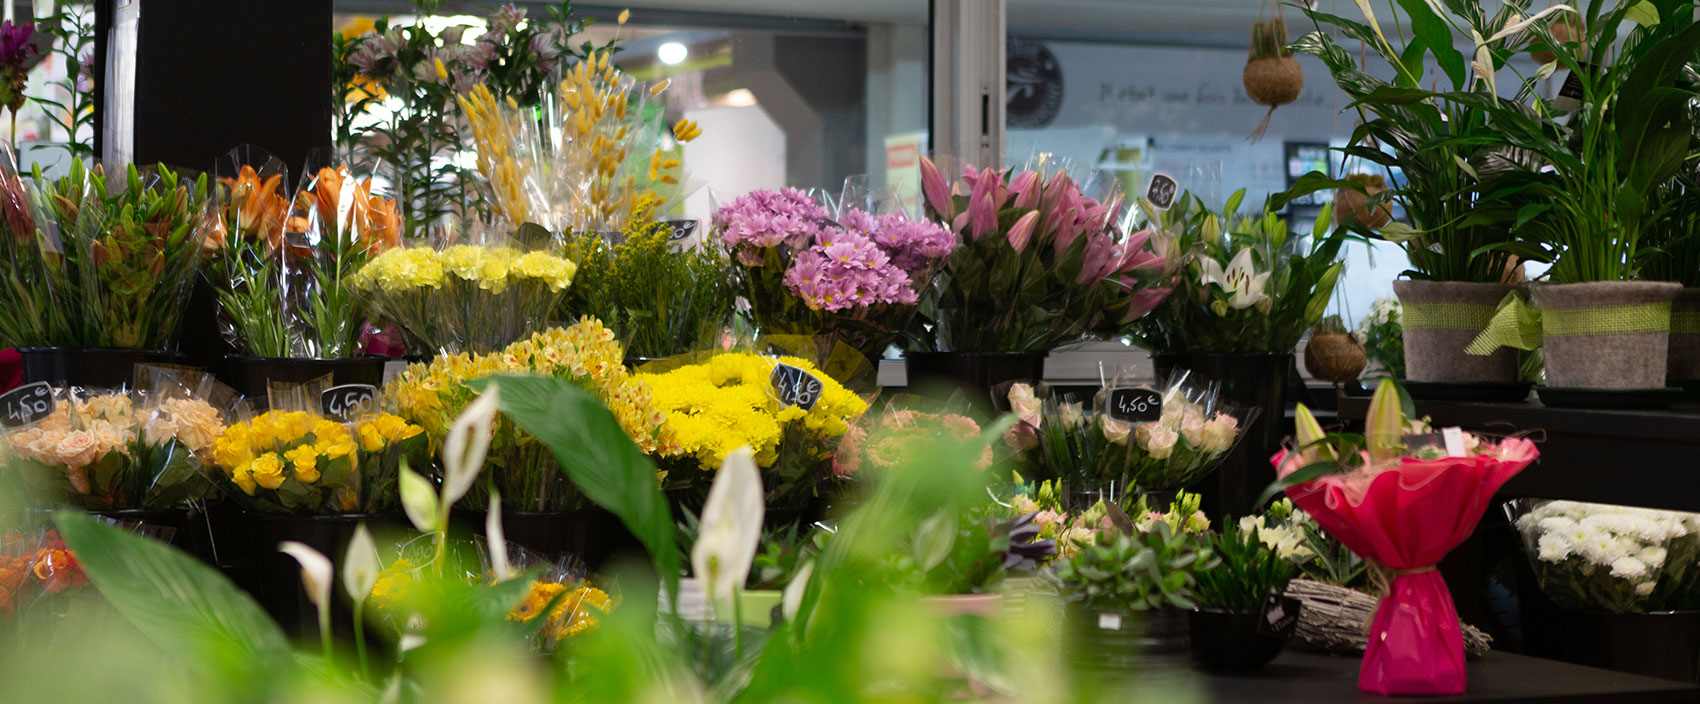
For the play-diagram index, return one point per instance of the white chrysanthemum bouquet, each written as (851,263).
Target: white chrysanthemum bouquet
(1617,559)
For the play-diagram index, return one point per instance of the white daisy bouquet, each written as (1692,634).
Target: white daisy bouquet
(1616,559)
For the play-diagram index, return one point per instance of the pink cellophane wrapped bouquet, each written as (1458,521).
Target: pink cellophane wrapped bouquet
(1403,500)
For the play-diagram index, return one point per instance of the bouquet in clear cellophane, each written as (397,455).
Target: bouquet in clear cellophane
(663,295)
(789,411)
(1402,496)
(433,395)
(285,264)
(474,293)
(131,244)
(851,270)
(30,257)
(41,581)
(142,448)
(285,455)
(596,156)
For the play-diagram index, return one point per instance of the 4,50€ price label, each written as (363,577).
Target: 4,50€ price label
(795,387)
(347,402)
(1135,405)
(26,405)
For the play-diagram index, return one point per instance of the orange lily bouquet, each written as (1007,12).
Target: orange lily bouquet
(284,259)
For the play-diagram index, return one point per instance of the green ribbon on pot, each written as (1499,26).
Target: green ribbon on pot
(1521,325)
(1446,316)
(1685,322)
(1515,324)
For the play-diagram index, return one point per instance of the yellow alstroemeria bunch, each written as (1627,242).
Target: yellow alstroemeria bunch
(433,395)
(728,401)
(470,298)
(298,462)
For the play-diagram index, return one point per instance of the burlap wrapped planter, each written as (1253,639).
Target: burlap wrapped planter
(1682,363)
(1607,334)
(1440,319)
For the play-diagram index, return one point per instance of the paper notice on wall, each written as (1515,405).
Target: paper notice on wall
(903,167)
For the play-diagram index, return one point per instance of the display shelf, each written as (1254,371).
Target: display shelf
(1632,458)
(1498,677)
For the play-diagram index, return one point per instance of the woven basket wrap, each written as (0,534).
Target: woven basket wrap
(1606,335)
(1440,319)
(1683,360)
(1337,619)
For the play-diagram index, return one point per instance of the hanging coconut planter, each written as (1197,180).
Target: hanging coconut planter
(1272,76)
(1332,354)
(1352,206)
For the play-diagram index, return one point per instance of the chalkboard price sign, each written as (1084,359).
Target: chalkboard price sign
(1135,405)
(795,387)
(1162,191)
(24,406)
(348,402)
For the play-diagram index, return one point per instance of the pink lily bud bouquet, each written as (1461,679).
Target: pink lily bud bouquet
(1039,263)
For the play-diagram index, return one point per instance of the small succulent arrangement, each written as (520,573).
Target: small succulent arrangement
(1155,569)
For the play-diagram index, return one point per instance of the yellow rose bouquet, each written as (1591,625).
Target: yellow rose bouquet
(464,298)
(118,450)
(433,395)
(299,462)
(790,412)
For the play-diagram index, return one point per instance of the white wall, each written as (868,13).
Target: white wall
(741,149)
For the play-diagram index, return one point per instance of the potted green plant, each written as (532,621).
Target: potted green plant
(1456,277)
(1382,331)
(1332,354)
(1675,241)
(1231,628)
(1129,593)
(1626,128)
(1246,289)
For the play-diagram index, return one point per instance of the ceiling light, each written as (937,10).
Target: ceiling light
(672,53)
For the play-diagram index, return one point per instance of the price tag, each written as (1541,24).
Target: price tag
(1109,621)
(1454,442)
(1570,94)
(1162,191)
(682,229)
(348,402)
(1135,405)
(795,387)
(1280,616)
(26,405)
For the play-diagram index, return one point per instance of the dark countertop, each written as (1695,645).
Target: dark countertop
(1308,678)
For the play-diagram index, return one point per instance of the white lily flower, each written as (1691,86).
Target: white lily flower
(316,571)
(730,526)
(360,567)
(495,538)
(1242,279)
(467,442)
(418,499)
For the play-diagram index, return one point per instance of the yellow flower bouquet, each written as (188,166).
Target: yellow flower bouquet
(121,450)
(464,298)
(433,395)
(298,462)
(735,399)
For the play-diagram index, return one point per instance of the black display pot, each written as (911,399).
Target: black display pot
(251,376)
(591,535)
(277,576)
(1250,380)
(1115,642)
(976,375)
(93,368)
(185,528)
(1230,641)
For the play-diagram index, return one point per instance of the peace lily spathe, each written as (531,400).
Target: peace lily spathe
(1242,279)
(316,571)
(360,567)
(730,526)
(467,442)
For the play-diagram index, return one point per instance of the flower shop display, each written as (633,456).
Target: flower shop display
(1601,325)
(586,354)
(661,297)
(1332,354)
(120,270)
(466,297)
(1039,264)
(1382,332)
(882,441)
(29,314)
(1136,438)
(1459,240)
(1675,257)
(297,462)
(852,277)
(1246,290)
(282,267)
(1243,620)
(1619,587)
(596,156)
(1402,500)
(785,408)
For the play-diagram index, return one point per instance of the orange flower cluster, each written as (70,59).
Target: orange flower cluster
(51,565)
(252,208)
(372,220)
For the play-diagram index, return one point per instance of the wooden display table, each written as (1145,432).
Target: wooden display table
(1504,678)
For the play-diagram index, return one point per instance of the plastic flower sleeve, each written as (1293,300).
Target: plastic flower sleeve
(29,245)
(1189,432)
(1613,559)
(82,453)
(339,221)
(184,413)
(245,251)
(133,252)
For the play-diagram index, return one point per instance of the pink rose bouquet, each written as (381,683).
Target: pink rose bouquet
(1039,263)
(855,278)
